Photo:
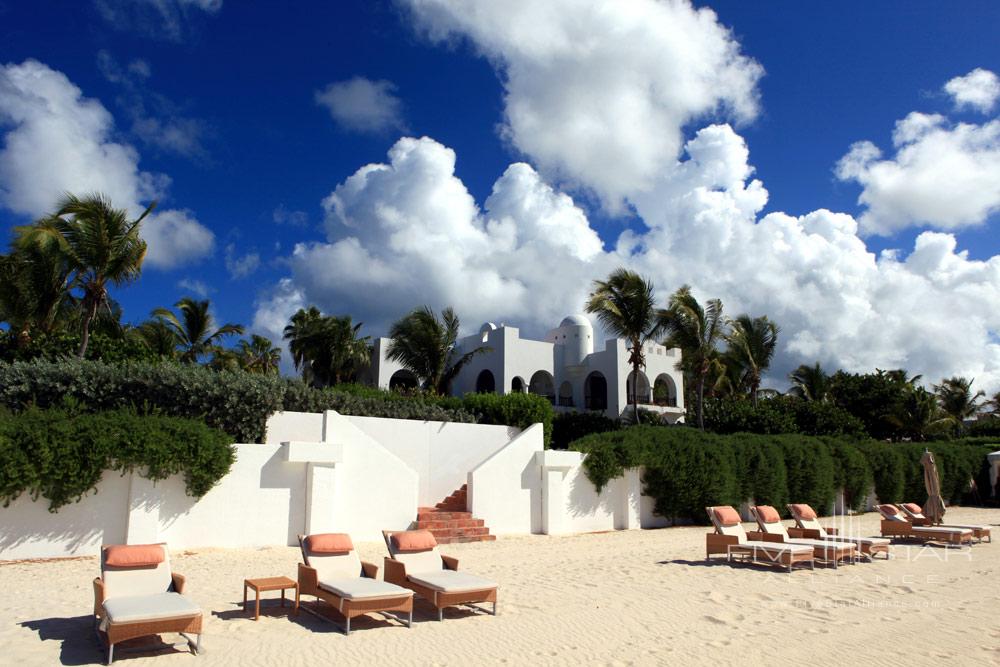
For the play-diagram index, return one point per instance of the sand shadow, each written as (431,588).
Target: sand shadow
(80,645)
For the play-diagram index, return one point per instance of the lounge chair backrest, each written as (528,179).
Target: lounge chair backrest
(132,570)
(891,513)
(341,562)
(727,527)
(769,521)
(425,559)
(810,523)
(913,510)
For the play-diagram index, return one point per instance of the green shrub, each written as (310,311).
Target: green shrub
(852,472)
(761,470)
(887,466)
(988,427)
(810,471)
(520,410)
(567,427)
(299,397)
(740,416)
(64,345)
(61,456)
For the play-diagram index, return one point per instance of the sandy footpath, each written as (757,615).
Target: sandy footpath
(636,597)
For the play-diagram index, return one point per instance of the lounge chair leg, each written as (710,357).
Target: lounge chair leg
(197,646)
(111,653)
(409,620)
(441,613)
(348,626)
(494,608)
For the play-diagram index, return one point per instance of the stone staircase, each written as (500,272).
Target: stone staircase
(450,522)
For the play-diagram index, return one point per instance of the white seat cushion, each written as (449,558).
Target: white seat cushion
(819,543)
(872,541)
(421,561)
(941,529)
(449,581)
(360,588)
(149,607)
(776,547)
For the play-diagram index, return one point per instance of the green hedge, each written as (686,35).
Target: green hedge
(782,414)
(239,403)
(60,455)
(686,469)
(568,427)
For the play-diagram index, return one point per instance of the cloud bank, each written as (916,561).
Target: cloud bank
(56,141)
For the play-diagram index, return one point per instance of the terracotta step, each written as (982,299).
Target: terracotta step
(452,523)
(474,538)
(459,532)
(435,515)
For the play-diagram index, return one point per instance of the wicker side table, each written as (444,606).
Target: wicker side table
(270,584)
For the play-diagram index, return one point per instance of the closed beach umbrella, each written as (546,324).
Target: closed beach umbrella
(994,459)
(934,507)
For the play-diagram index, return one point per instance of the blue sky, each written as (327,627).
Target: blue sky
(220,97)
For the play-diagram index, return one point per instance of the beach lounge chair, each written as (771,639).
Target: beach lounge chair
(769,522)
(414,562)
(137,595)
(729,538)
(807,525)
(332,571)
(915,513)
(895,525)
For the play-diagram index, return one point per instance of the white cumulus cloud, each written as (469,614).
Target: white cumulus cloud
(943,175)
(598,93)
(363,105)
(57,141)
(979,90)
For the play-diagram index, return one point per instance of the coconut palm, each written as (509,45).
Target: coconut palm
(626,308)
(695,330)
(34,289)
(100,244)
(810,383)
(258,355)
(916,415)
(957,400)
(752,343)
(158,336)
(426,346)
(194,327)
(326,349)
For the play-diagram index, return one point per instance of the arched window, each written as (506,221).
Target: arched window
(665,391)
(485,383)
(403,379)
(517,385)
(566,395)
(595,392)
(640,388)
(543,385)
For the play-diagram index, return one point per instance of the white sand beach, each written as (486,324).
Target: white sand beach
(635,597)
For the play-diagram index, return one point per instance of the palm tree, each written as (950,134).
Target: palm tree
(956,399)
(195,328)
(158,336)
(917,415)
(259,355)
(626,308)
(696,331)
(810,383)
(100,244)
(34,287)
(426,346)
(752,343)
(326,349)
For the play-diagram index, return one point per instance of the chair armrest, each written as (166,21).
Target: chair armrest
(370,570)
(919,522)
(395,572)
(718,544)
(178,581)
(808,533)
(308,579)
(830,530)
(760,536)
(450,563)
(99,597)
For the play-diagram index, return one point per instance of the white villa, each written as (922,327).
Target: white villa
(564,368)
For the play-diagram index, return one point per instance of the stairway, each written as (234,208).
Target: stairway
(450,522)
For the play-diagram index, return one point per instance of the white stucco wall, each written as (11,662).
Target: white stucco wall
(505,490)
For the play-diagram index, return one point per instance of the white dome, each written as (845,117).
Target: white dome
(487,327)
(576,321)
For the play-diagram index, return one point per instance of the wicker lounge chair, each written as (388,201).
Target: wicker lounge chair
(915,514)
(137,595)
(895,525)
(729,538)
(807,525)
(830,551)
(332,571)
(414,562)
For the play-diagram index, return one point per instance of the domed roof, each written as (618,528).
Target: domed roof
(576,321)
(487,326)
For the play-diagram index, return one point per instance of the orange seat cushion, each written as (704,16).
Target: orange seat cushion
(768,514)
(133,555)
(888,510)
(804,511)
(913,507)
(726,516)
(413,540)
(329,543)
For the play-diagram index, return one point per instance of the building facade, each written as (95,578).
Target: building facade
(564,368)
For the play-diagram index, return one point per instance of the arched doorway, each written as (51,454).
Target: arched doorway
(595,392)
(485,383)
(543,385)
(402,380)
(566,395)
(517,385)
(640,388)
(665,391)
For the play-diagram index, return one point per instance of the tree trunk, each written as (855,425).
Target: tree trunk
(701,401)
(635,390)
(88,316)
(754,387)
